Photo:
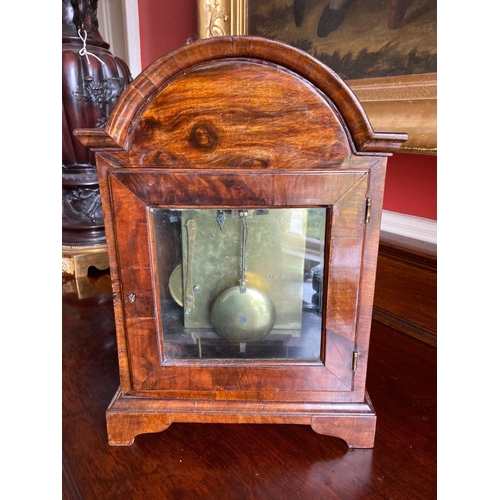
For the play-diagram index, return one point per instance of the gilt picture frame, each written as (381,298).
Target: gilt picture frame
(395,78)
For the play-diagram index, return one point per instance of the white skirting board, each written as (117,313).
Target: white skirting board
(410,226)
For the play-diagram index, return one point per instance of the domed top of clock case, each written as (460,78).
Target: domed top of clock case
(239,102)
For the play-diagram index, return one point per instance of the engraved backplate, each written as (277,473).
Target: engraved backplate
(274,261)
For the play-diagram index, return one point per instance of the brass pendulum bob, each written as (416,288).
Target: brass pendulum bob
(243,313)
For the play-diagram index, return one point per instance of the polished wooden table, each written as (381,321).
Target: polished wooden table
(213,461)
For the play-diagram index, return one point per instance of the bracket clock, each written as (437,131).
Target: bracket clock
(242,186)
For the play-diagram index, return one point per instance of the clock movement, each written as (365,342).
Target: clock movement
(242,189)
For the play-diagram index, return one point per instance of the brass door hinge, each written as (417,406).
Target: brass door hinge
(368,210)
(354,361)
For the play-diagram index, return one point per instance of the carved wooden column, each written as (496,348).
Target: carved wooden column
(92,81)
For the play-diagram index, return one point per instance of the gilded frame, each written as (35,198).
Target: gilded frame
(396,104)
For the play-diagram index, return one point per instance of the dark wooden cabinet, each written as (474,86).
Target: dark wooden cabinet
(241,167)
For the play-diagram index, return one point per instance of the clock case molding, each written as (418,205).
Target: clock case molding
(242,121)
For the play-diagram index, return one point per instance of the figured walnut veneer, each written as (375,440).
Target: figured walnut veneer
(232,122)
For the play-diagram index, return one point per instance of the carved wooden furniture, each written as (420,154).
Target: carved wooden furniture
(229,164)
(91,85)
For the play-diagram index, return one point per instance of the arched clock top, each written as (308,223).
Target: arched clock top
(242,188)
(239,102)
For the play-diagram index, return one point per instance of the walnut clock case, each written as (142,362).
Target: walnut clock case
(242,186)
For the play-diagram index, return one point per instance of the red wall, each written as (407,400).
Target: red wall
(411,184)
(165,25)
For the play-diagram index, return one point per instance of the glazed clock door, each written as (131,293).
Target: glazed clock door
(286,255)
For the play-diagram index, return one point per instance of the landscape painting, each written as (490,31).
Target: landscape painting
(358,39)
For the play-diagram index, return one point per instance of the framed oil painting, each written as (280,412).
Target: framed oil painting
(357,38)
(385,50)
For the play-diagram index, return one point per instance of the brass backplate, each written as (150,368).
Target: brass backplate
(274,258)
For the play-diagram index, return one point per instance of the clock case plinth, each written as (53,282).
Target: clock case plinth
(241,122)
(129,416)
